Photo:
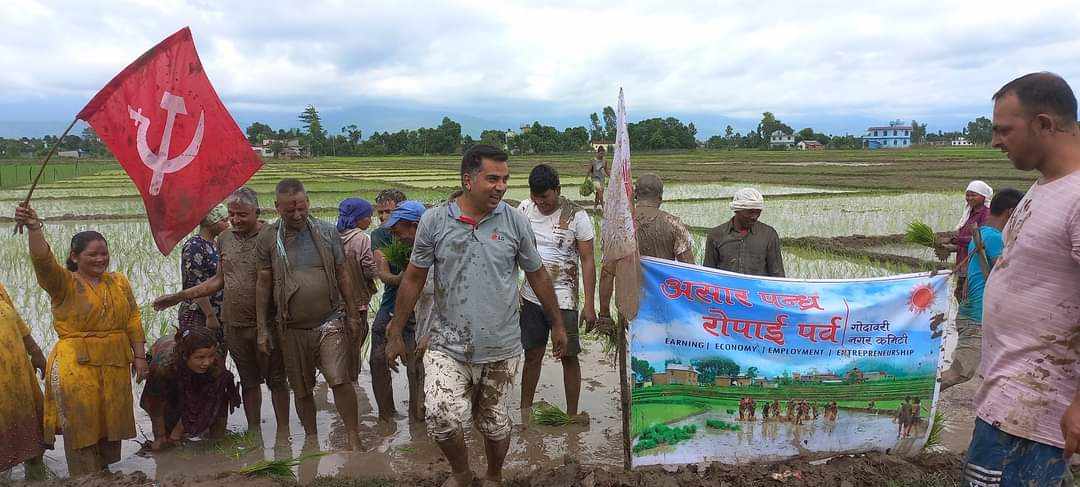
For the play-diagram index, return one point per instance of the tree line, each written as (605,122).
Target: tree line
(651,134)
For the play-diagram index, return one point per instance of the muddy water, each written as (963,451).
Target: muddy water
(774,441)
(398,447)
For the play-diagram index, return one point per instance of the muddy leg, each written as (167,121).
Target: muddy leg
(571,373)
(305,410)
(252,397)
(415,372)
(457,455)
(280,401)
(530,376)
(345,399)
(496,456)
(381,386)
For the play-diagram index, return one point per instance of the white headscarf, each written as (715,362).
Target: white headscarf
(748,199)
(978,187)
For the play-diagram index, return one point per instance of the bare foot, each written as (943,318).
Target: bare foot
(354,442)
(489,482)
(526,417)
(464,479)
(581,419)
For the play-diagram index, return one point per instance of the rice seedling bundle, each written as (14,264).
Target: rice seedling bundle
(550,415)
(921,234)
(397,253)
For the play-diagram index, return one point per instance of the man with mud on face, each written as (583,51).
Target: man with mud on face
(744,244)
(659,234)
(474,244)
(564,236)
(302,273)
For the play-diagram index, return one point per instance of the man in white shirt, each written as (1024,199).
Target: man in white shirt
(564,236)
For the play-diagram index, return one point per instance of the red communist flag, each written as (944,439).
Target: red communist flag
(163,121)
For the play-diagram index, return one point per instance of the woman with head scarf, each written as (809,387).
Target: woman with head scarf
(21,400)
(354,216)
(100,338)
(187,392)
(198,263)
(976,209)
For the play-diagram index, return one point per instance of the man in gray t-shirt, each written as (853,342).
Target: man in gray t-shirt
(474,244)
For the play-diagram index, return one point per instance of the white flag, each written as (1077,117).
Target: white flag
(618,231)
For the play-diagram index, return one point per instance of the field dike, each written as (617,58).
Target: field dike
(856,246)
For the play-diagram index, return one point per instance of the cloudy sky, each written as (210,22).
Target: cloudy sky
(834,65)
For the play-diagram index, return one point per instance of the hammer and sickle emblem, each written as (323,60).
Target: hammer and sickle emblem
(160,162)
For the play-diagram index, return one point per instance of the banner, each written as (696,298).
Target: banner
(735,368)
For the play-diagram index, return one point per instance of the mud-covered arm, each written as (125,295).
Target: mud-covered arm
(606,289)
(382,268)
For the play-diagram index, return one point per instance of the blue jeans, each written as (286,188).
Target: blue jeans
(996,458)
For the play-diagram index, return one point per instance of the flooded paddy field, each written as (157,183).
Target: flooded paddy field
(802,200)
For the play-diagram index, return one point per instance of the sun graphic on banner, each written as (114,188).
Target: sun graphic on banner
(921,298)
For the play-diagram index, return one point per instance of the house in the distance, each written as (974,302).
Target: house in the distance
(815,377)
(858,376)
(737,381)
(810,145)
(781,139)
(290,148)
(677,374)
(961,142)
(895,136)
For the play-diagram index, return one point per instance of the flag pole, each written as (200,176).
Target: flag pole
(624,394)
(41,170)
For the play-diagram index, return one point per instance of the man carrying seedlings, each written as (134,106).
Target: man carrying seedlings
(302,272)
(1028,407)
(564,236)
(474,244)
(391,257)
(659,234)
(984,250)
(744,244)
(237,274)
(598,172)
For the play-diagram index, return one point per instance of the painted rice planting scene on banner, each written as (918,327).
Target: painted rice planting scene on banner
(732,369)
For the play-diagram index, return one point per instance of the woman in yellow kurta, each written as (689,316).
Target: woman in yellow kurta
(87,386)
(20,401)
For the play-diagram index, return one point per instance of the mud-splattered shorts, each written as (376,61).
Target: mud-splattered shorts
(996,458)
(457,392)
(324,348)
(253,366)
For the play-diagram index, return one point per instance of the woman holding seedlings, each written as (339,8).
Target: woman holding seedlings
(21,401)
(188,393)
(100,340)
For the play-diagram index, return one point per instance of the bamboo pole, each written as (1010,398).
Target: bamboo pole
(41,170)
(624,393)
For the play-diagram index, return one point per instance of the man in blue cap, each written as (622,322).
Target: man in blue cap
(396,229)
